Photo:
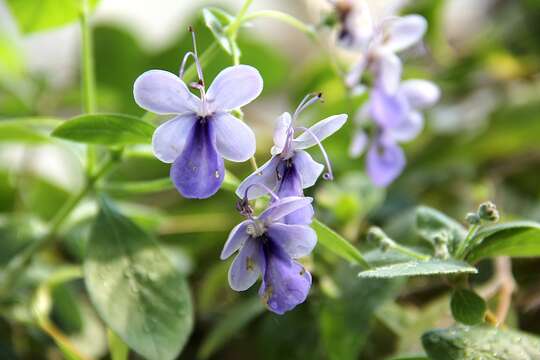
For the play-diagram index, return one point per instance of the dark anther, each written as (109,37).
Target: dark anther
(190,29)
(200,82)
(243,207)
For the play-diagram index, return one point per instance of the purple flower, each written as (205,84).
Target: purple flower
(202,131)
(291,169)
(356,25)
(268,248)
(397,119)
(390,36)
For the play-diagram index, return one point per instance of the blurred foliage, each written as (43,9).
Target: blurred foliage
(467,153)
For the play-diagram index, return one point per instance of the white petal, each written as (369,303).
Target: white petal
(234,87)
(246,267)
(309,169)
(321,130)
(265,175)
(296,240)
(235,140)
(358,144)
(404,32)
(420,93)
(389,72)
(236,239)
(283,124)
(162,92)
(170,137)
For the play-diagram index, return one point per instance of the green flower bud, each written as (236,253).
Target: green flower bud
(472,219)
(488,211)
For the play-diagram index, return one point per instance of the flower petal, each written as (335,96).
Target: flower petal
(266,175)
(247,266)
(385,161)
(283,124)
(234,87)
(420,93)
(285,283)
(170,137)
(162,92)
(358,144)
(355,74)
(321,130)
(236,239)
(404,31)
(389,69)
(409,128)
(387,110)
(284,207)
(296,240)
(291,185)
(358,29)
(309,169)
(235,140)
(198,172)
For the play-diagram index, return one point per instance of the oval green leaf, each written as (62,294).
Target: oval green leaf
(136,290)
(418,268)
(106,129)
(480,342)
(337,244)
(467,307)
(517,239)
(217,20)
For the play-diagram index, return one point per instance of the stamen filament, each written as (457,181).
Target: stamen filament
(272,194)
(200,85)
(328,175)
(307,101)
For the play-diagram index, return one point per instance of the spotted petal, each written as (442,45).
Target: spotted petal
(247,266)
(236,239)
(162,92)
(235,140)
(321,130)
(170,138)
(198,172)
(296,240)
(234,87)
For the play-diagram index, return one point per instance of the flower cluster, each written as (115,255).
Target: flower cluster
(393,105)
(203,132)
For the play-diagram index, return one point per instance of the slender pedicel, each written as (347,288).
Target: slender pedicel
(328,175)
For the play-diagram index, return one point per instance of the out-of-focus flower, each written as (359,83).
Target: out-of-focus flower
(396,118)
(203,131)
(268,248)
(291,169)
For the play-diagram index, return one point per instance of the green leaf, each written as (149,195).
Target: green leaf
(20,132)
(337,244)
(234,320)
(38,15)
(417,268)
(117,348)
(136,290)
(480,342)
(431,222)
(467,307)
(217,20)
(518,239)
(106,129)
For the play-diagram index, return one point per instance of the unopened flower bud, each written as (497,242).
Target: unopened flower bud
(472,219)
(488,211)
(375,234)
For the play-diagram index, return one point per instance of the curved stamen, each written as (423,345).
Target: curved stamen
(308,100)
(266,188)
(328,175)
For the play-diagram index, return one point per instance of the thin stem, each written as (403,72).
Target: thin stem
(15,268)
(283,17)
(464,245)
(88,76)
(409,252)
(232,29)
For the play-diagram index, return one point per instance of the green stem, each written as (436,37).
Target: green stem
(283,17)
(464,245)
(232,29)
(16,266)
(88,77)
(409,252)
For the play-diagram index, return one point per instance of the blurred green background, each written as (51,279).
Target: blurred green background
(481,142)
